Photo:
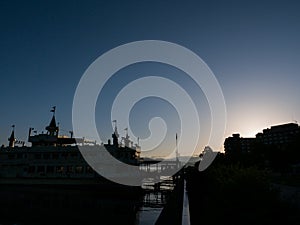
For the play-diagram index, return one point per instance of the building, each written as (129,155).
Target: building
(279,135)
(237,144)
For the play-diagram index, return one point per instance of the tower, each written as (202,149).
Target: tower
(12,139)
(126,138)
(115,135)
(52,128)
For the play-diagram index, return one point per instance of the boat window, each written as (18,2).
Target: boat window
(41,169)
(64,155)
(89,169)
(37,156)
(69,169)
(78,169)
(59,169)
(46,156)
(50,169)
(55,156)
(11,156)
(31,169)
(74,155)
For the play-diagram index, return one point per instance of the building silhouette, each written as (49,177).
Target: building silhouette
(238,145)
(278,136)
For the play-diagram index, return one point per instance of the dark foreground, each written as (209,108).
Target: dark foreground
(234,194)
(68,205)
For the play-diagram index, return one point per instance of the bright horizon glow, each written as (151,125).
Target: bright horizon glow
(252,130)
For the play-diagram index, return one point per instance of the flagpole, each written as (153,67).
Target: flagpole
(53,110)
(176,149)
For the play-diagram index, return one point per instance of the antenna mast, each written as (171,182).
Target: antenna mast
(177,154)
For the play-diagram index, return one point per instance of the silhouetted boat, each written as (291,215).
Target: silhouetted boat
(51,183)
(56,160)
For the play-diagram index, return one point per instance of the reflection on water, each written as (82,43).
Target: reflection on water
(148,215)
(24,205)
(106,204)
(50,205)
(155,198)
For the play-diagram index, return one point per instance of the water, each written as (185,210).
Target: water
(49,205)
(71,206)
(148,215)
(153,203)
(154,200)
(32,205)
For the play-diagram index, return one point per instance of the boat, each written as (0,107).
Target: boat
(50,181)
(54,159)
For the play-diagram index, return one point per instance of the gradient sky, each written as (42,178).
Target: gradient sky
(251,46)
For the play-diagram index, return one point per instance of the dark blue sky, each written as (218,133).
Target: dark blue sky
(251,46)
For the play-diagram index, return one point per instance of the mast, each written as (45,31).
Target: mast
(177,154)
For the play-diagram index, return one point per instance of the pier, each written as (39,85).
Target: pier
(168,192)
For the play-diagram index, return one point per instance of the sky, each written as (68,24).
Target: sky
(252,47)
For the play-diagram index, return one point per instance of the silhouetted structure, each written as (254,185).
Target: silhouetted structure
(279,136)
(12,139)
(238,145)
(275,148)
(56,159)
